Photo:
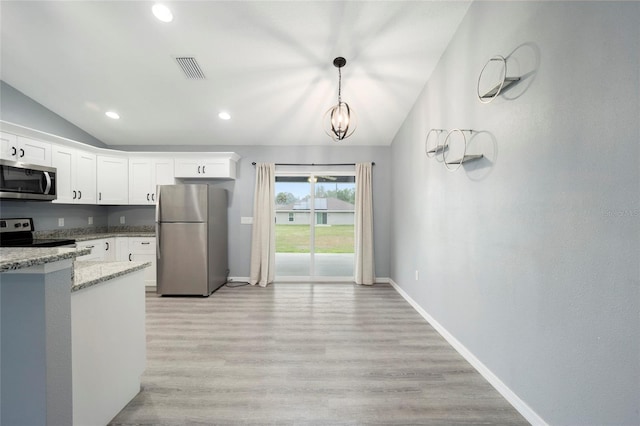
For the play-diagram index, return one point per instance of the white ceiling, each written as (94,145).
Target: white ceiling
(268,63)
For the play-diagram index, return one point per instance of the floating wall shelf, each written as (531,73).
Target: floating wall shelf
(429,149)
(502,85)
(465,157)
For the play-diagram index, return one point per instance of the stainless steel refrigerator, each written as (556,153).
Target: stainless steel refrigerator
(191,232)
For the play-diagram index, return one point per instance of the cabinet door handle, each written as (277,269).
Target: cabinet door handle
(90,247)
(107,244)
(145,243)
(21,152)
(100,196)
(198,169)
(79,195)
(129,257)
(75,195)
(203,169)
(14,150)
(147,196)
(153,197)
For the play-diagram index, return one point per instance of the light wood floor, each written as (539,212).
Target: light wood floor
(322,354)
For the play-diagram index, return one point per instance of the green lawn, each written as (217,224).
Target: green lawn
(329,239)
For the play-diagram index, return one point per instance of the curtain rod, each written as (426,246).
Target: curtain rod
(314,164)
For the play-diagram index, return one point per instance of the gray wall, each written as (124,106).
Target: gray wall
(530,257)
(17,108)
(45,214)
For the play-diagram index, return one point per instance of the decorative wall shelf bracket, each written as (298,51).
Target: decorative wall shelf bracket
(465,158)
(430,149)
(504,83)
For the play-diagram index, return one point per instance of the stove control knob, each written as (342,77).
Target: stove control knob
(3,223)
(17,225)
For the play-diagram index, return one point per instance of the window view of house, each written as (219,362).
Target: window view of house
(314,225)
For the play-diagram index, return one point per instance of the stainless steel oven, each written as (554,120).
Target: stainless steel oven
(27,181)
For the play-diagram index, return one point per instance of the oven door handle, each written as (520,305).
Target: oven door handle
(48,180)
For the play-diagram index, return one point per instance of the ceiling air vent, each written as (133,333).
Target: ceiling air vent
(190,67)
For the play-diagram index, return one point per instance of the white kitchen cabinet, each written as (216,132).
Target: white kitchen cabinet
(103,249)
(213,165)
(24,150)
(143,249)
(122,249)
(145,174)
(76,175)
(113,180)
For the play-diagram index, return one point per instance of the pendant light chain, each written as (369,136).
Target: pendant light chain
(339,85)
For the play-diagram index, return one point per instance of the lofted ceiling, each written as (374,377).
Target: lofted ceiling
(267,63)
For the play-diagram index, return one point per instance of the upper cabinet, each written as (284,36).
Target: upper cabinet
(91,175)
(207,165)
(145,173)
(76,175)
(113,180)
(24,150)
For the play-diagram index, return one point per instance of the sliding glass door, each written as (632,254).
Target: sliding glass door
(315,226)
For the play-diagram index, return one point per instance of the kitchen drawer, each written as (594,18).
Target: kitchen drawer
(142,245)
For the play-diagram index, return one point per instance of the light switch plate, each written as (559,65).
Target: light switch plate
(246,220)
(90,220)
(61,221)
(121,220)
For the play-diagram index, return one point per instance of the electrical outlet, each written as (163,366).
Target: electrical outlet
(417,275)
(90,220)
(121,220)
(246,220)
(61,221)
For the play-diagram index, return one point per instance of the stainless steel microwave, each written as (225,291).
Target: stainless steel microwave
(27,181)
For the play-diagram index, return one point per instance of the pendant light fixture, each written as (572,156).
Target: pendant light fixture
(340,120)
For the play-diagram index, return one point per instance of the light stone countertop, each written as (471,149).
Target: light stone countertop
(98,232)
(12,258)
(88,273)
(97,236)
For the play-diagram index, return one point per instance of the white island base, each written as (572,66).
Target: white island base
(108,347)
(72,337)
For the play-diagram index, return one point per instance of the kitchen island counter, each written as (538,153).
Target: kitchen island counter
(89,273)
(14,258)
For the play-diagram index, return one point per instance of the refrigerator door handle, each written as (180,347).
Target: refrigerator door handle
(157,240)
(159,191)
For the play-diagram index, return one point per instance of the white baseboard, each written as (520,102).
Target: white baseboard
(513,399)
(383,280)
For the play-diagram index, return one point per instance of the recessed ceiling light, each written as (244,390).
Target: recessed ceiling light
(224,115)
(162,12)
(112,114)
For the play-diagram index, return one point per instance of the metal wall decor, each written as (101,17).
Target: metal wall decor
(432,145)
(340,120)
(498,86)
(465,158)
(434,148)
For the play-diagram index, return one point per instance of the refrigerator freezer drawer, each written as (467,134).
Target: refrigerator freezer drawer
(182,259)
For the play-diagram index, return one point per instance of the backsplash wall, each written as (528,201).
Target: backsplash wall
(45,214)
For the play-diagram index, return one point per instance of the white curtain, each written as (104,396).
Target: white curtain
(364,265)
(263,240)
